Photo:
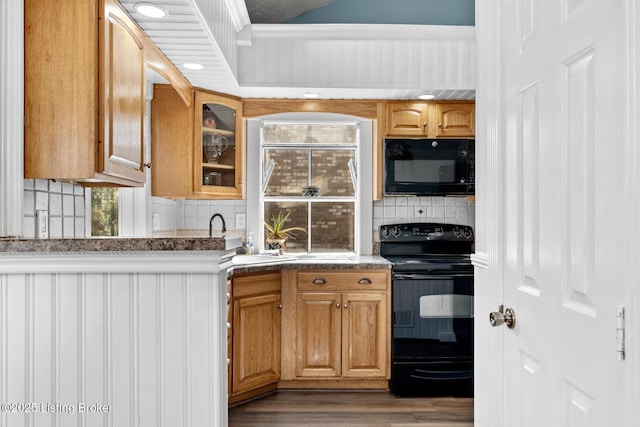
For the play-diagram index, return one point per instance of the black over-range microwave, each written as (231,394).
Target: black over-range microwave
(428,167)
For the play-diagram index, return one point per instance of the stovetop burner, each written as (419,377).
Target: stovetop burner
(426,240)
(427,247)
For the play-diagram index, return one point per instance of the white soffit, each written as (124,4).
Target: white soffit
(218,35)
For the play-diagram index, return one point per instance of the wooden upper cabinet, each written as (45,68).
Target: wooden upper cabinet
(407,119)
(218,146)
(431,119)
(84,93)
(455,119)
(197,150)
(171,144)
(123,101)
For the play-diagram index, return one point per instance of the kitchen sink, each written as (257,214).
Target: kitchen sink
(232,242)
(327,257)
(261,259)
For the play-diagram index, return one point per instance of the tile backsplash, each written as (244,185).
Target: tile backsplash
(185,215)
(402,209)
(64,203)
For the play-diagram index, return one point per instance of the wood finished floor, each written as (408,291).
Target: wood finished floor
(351,409)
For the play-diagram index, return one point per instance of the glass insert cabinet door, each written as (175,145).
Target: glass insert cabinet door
(218,156)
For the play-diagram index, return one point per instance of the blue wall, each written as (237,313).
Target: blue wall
(418,12)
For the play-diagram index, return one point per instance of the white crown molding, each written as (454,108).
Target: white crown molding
(239,14)
(363,32)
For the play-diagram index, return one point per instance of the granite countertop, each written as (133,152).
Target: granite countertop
(240,263)
(257,263)
(117,244)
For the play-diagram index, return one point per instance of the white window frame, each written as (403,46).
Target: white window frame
(364,162)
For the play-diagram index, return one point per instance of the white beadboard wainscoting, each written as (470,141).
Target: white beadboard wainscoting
(141,336)
(366,57)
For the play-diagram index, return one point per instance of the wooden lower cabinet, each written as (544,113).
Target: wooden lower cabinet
(318,334)
(309,329)
(364,335)
(337,335)
(341,335)
(256,335)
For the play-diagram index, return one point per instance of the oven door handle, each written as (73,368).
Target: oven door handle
(422,276)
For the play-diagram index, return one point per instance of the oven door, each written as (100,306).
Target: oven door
(432,338)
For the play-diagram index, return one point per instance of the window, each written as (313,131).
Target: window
(104,211)
(319,159)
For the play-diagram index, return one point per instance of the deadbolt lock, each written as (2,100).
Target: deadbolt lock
(501,316)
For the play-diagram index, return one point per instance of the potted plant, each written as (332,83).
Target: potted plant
(277,234)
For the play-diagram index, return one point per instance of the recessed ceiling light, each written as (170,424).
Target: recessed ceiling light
(151,10)
(192,66)
(311,95)
(426,97)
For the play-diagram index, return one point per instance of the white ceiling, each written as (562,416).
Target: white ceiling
(218,34)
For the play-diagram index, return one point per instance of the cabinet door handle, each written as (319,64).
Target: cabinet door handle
(319,281)
(338,305)
(147,165)
(279,306)
(440,125)
(346,306)
(365,281)
(424,125)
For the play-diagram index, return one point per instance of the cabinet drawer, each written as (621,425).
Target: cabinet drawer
(256,285)
(330,281)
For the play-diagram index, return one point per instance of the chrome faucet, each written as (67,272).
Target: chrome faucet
(224,226)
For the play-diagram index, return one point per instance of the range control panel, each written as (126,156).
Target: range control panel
(425,231)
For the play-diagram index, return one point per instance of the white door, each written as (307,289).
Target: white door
(556,199)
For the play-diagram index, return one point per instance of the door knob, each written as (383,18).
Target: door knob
(499,317)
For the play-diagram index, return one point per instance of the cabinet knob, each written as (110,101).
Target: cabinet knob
(338,305)
(346,306)
(319,281)
(365,281)
(147,165)
(424,125)
(279,306)
(439,125)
